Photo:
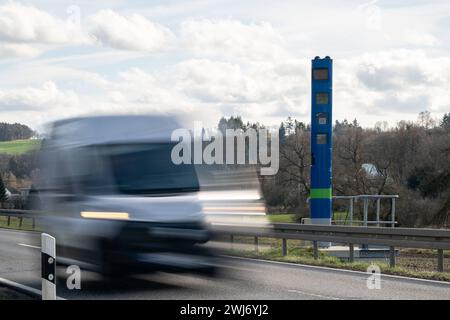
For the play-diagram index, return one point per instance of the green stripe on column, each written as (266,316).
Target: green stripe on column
(321,193)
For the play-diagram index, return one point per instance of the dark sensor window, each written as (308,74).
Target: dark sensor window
(320,74)
(322,118)
(321,138)
(322,98)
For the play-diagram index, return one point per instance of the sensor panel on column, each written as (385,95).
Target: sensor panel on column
(321,140)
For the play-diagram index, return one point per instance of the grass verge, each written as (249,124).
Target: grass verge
(407,265)
(14,223)
(290,217)
(281,217)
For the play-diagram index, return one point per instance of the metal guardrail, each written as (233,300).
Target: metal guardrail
(48,257)
(20,214)
(438,239)
(366,198)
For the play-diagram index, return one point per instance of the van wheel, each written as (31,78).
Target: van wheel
(109,269)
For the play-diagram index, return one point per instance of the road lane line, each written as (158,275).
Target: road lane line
(28,245)
(315,295)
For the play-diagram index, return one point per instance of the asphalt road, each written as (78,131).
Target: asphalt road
(239,279)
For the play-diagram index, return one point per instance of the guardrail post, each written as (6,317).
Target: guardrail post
(33,223)
(48,266)
(20,222)
(256,243)
(378,212)
(440,264)
(365,218)
(366,211)
(284,247)
(393,213)
(351,211)
(9,220)
(391,257)
(351,256)
(316,250)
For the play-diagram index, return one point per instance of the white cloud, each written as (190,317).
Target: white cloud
(139,91)
(14,50)
(26,24)
(402,69)
(421,39)
(392,85)
(224,82)
(232,38)
(129,32)
(222,65)
(23,24)
(41,99)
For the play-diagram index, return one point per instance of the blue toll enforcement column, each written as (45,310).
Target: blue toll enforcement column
(321,143)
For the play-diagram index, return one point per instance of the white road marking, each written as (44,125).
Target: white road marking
(315,295)
(28,245)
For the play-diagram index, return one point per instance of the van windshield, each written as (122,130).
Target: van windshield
(148,169)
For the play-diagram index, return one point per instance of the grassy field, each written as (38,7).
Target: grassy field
(340,215)
(19,146)
(290,217)
(281,218)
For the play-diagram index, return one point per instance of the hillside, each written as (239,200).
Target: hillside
(19,146)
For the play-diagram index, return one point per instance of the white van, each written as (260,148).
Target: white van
(116,202)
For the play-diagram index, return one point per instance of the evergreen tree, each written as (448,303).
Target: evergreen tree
(3,196)
(282,133)
(445,122)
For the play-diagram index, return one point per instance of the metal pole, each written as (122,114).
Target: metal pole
(366,205)
(440,265)
(316,250)
(321,142)
(284,247)
(351,256)
(48,265)
(391,257)
(365,246)
(351,211)
(256,244)
(393,213)
(378,212)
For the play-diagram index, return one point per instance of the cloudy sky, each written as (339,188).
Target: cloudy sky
(212,58)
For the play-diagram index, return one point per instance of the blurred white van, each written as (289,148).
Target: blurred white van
(116,203)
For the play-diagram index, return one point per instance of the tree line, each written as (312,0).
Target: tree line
(411,159)
(15,131)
